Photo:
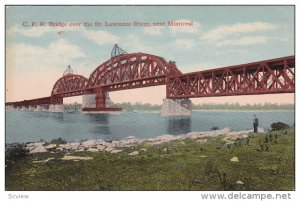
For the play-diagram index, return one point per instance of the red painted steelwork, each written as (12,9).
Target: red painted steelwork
(100,98)
(264,77)
(69,85)
(39,101)
(118,73)
(131,69)
(137,70)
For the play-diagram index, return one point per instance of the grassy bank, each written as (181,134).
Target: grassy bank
(178,165)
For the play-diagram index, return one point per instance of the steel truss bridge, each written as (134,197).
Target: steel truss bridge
(136,70)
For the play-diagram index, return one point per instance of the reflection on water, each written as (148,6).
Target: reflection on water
(58,116)
(33,126)
(101,122)
(179,125)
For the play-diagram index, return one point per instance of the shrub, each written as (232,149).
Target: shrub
(15,151)
(59,141)
(279,126)
(214,128)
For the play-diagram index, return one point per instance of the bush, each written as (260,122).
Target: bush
(58,141)
(279,126)
(214,128)
(16,151)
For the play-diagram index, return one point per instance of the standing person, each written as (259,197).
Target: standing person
(255,123)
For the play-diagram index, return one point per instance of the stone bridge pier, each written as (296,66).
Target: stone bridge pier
(56,104)
(176,107)
(99,101)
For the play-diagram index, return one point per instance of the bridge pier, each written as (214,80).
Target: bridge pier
(30,109)
(56,108)
(10,108)
(56,104)
(100,99)
(98,102)
(24,109)
(39,108)
(176,107)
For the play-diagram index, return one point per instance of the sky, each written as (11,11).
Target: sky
(37,56)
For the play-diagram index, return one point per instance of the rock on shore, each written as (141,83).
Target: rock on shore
(116,146)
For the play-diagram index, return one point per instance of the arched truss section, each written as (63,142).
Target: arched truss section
(70,85)
(132,71)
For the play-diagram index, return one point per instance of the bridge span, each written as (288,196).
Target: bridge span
(136,70)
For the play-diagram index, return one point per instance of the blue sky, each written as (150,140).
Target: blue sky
(221,36)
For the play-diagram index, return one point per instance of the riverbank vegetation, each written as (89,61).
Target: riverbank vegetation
(260,162)
(237,106)
(207,106)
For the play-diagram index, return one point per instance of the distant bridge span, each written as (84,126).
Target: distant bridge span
(136,70)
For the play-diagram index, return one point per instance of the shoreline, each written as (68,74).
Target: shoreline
(158,111)
(197,161)
(115,146)
(244,110)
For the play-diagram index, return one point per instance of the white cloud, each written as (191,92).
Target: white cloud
(185,29)
(153,31)
(251,40)
(25,56)
(101,37)
(133,44)
(40,30)
(184,43)
(225,31)
(64,48)
(198,67)
(32,32)
(31,71)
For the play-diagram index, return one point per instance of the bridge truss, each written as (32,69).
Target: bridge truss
(127,71)
(264,77)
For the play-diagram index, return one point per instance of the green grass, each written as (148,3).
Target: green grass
(184,166)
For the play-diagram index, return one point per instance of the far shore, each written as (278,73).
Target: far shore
(229,110)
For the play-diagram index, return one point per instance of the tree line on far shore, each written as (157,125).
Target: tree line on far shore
(204,106)
(237,106)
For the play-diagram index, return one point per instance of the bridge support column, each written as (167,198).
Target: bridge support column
(98,102)
(56,108)
(39,108)
(100,99)
(56,105)
(176,107)
(9,108)
(24,109)
(30,109)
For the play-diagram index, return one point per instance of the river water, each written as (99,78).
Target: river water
(34,126)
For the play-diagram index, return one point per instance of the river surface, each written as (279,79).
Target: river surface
(35,126)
